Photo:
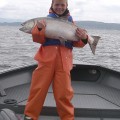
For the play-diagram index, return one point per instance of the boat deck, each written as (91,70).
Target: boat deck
(90,99)
(76,118)
(96,93)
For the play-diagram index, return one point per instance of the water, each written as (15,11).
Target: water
(17,49)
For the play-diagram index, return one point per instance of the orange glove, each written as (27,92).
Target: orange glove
(41,24)
(38,32)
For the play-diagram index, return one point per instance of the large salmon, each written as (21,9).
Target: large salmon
(59,29)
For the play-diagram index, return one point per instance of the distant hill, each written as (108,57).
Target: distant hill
(10,24)
(2,20)
(98,25)
(83,24)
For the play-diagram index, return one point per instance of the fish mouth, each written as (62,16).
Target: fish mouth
(21,29)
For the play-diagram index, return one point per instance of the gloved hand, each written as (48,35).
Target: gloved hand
(41,24)
(81,33)
(38,32)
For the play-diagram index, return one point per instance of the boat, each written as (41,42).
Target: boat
(96,93)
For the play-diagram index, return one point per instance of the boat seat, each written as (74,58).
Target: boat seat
(7,114)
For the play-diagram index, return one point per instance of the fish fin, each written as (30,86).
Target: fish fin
(59,18)
(94,43)
(62,40)
(64,18)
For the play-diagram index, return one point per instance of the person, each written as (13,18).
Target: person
(54,66)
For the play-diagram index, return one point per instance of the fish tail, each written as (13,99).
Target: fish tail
(94,43)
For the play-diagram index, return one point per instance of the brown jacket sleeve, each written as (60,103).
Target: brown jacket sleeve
(38,36)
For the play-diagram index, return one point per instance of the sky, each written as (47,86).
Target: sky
(107,11)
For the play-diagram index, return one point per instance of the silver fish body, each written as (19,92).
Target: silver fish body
(59,29)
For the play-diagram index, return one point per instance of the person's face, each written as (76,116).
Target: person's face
(59,6)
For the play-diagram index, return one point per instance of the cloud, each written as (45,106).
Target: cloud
(2,3)
(102,10)
(24,9)
(94,10)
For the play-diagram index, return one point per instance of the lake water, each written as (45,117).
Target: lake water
(17,49)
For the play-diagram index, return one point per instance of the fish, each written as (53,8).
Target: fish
(60,29)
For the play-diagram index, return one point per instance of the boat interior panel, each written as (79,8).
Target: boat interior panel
(96,92)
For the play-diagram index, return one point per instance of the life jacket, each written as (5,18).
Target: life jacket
(49,41)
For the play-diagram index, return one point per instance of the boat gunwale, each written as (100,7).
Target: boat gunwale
(100,67)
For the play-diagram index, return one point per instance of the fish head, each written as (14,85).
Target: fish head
(27,26)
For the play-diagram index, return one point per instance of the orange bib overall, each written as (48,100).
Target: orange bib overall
(54,65)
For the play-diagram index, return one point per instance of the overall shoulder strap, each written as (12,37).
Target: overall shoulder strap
(52,15)
(70,19)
